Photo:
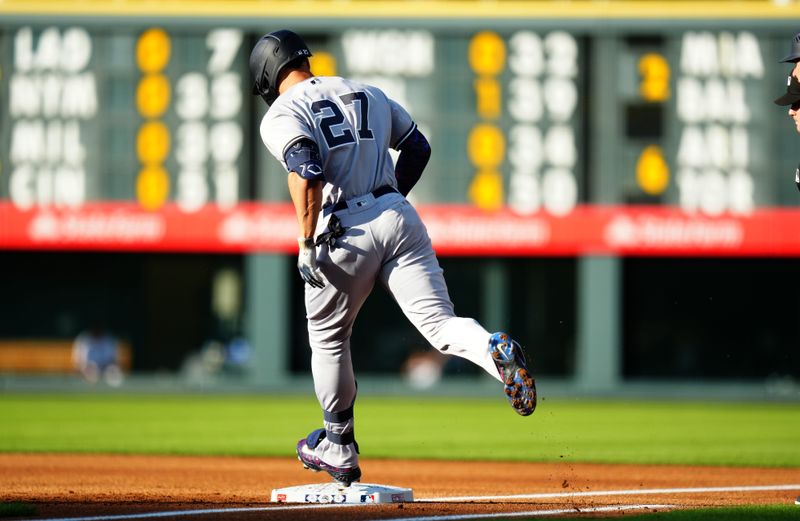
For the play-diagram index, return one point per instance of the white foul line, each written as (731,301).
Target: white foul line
(454,517)
(637,492)
(198,512)
(529,513)
(532,513)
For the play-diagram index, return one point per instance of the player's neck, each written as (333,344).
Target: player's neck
(293,78)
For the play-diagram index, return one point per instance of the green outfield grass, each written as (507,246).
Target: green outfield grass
(17,509)
(751,513)
(578,430)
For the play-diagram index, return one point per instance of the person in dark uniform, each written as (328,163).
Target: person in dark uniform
(792,96)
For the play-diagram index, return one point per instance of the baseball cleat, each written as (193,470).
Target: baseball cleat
(519,385)
(310,460)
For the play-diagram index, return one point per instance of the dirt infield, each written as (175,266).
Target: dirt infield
(62,486)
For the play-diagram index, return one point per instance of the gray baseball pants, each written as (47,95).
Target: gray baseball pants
(386,241)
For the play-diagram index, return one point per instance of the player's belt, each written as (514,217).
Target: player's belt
(381,190)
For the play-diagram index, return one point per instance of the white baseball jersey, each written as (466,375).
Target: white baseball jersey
(353,125)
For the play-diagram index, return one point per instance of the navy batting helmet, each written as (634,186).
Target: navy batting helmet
(271,54)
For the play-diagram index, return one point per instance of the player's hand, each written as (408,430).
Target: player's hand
(797,177)
(307,263)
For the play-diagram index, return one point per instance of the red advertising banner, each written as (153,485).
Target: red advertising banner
(454,229)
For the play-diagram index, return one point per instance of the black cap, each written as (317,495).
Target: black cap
(794,53)
(792,95)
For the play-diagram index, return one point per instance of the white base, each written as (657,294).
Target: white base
(357,493)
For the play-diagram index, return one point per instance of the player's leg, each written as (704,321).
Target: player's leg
(331,312)
(432,313)
(414,277)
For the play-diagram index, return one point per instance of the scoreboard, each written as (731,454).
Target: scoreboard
(557,129)
(144,116)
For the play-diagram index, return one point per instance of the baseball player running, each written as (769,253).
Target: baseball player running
(356,227)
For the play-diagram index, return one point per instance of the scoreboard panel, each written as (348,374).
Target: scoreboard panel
(550,136)
(147,116)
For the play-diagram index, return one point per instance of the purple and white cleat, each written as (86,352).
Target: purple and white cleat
(310,460)
(519,385)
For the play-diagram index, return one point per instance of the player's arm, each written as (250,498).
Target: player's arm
(307,198)
(305,182)
(415,151)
